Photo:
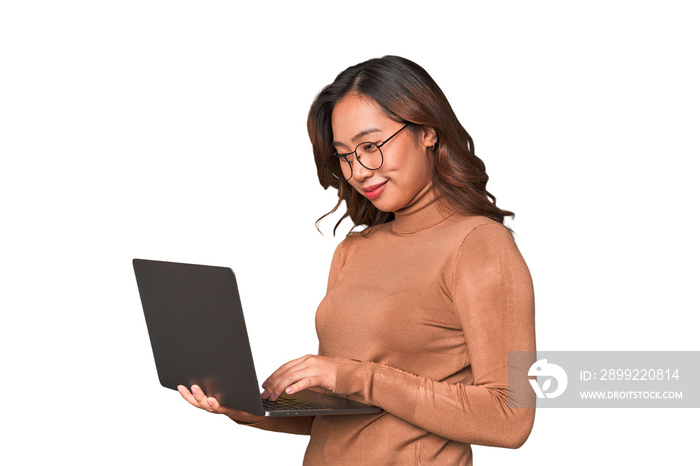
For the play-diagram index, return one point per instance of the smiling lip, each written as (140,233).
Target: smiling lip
(372,192)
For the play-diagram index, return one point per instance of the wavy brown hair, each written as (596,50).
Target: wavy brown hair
(406,93)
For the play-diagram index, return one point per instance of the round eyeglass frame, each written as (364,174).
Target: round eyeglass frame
(345,156)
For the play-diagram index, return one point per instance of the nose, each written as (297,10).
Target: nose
(360,172)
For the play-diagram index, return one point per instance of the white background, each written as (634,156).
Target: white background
(176,131)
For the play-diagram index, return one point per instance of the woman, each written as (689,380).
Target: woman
(423,305)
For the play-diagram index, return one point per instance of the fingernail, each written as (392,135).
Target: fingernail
(194,390)
(289,390)
(211,403)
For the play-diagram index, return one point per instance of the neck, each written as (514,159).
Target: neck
(425,210)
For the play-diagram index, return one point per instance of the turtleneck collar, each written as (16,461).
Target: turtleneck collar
(425,210)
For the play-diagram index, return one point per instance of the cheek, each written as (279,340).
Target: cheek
(415,170)
(354,184)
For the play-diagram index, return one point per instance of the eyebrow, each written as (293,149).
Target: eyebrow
(359,135)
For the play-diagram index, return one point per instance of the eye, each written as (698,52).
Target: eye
(367,148)
(344,159)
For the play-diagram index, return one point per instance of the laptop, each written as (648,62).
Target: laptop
(198,336)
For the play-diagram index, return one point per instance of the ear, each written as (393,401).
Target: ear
(428,136)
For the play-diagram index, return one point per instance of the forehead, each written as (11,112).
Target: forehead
(353,115)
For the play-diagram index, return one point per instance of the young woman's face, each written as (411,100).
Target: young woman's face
(408,163)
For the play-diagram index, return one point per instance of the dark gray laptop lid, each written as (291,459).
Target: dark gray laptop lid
(186,307)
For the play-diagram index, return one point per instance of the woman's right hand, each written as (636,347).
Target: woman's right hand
(198,399)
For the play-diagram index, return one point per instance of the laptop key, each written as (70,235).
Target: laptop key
(286,404)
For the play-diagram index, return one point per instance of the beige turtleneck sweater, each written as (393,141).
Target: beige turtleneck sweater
(420,314)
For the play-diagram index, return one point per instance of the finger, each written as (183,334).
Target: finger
(216,407)
(213,403)
(273,381)
(284,368)
(281,380)
(233,413)
(313,371)
(185,393)
(307,377)
(200,398)
(303,384)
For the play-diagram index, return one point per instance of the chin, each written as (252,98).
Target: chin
(386,205)
(384,209)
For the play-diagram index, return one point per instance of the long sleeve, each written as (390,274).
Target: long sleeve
(492,298)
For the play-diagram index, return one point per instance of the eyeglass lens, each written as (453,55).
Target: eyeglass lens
(368,154)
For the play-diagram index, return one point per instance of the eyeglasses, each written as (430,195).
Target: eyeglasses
(368,154)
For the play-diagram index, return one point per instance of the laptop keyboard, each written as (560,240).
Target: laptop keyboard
(288,404)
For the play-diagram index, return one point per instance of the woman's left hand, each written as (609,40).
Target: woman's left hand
(300,374)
